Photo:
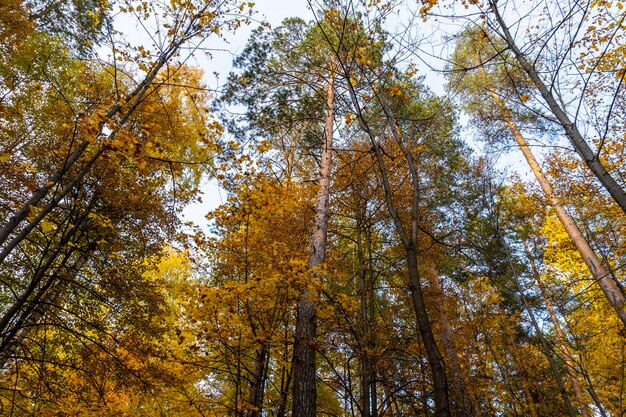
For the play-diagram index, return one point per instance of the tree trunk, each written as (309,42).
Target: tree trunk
(365,325)
(579,143)
(304,366)
(409,240)
(570,362)
(465,400)
(610,288)
(435,360)
(366,282)
(257,382)
(31,316)
(285,382)
(372,322)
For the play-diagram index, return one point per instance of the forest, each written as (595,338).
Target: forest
(388,244)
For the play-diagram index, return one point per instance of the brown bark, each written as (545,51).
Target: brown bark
(365,325)
(435,360)
(285,383)
(464,398)
(257,382)
(408,240)
(304,364)
(367,343)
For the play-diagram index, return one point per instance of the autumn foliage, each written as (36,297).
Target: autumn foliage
(371,256)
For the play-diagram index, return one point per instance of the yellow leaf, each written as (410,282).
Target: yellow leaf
(524,98)
(46,226)
(5,157)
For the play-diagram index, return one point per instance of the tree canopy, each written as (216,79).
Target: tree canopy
(374,253)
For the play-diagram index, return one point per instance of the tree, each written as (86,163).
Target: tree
(548,57)
(488,52)
(90,233)
(309,77)
(391,99)
(90,142)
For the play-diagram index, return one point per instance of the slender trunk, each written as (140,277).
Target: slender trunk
(466,402)
(134,98)
(435,360)
(34,283)
(579,143)
(365,330)
(561,339)
(304,366)
(257,382)
(367,343)
(409,240)
(285,382)
(530,401)
(594,396)
(56,287)
(372,322)
(611,290)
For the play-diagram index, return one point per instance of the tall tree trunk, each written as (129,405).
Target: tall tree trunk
(408,239)
(570,362)
(579,143)
(610,288)
(365,322)
(366,278)
(435,360)
(304,365)
(285,382)
(372,322)
(465,400)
